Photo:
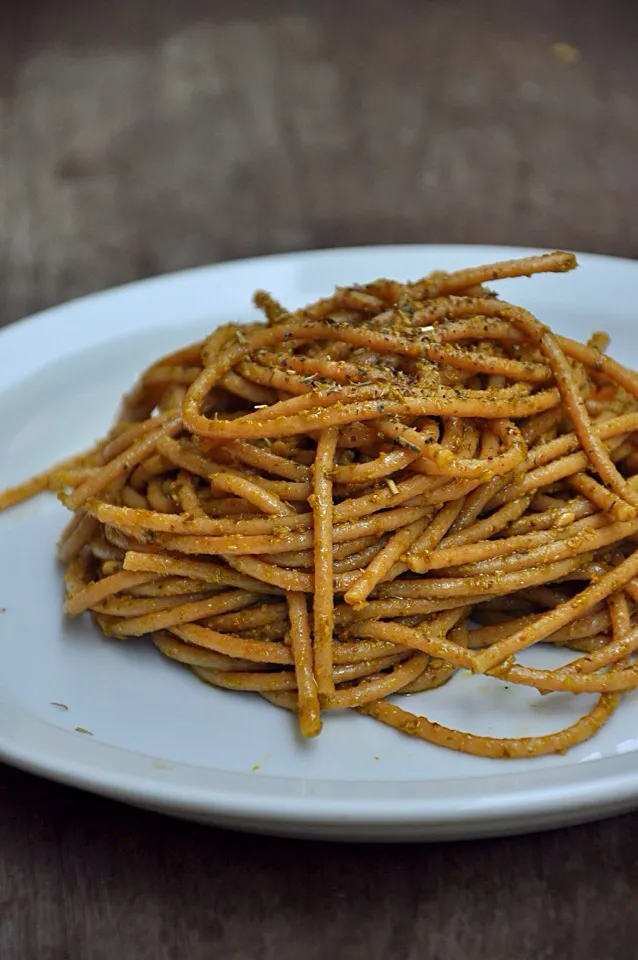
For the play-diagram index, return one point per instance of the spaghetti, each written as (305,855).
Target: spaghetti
(360,498)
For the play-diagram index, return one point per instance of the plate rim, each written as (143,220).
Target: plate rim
(589,787)
(186,273)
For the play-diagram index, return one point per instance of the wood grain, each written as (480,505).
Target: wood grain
(140,137)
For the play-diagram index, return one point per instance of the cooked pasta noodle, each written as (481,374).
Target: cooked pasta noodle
(361,497)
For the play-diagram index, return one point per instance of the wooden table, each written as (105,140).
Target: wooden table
(137,138)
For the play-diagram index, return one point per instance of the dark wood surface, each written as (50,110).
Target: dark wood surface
(140,137)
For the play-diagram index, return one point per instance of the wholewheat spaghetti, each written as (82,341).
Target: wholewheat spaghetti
(360,498)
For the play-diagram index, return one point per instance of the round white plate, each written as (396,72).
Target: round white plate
(159,738)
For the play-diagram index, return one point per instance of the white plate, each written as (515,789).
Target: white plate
(164,740)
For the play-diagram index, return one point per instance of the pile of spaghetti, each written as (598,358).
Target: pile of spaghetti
(359,498)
